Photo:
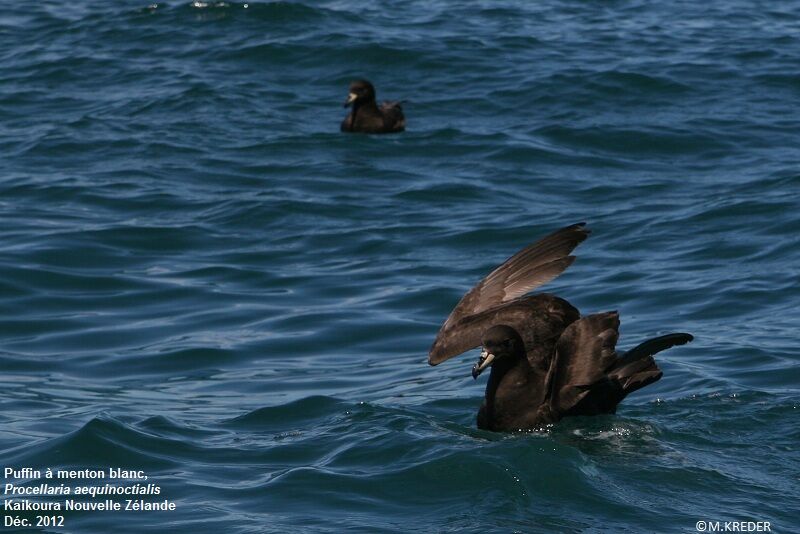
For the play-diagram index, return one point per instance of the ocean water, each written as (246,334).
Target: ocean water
(202,279)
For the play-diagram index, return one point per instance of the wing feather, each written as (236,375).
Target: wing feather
(584,352)
(526,270)
(533,266)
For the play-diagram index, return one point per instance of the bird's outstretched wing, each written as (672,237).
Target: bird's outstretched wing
(588,376)
(584,353)
(526,270)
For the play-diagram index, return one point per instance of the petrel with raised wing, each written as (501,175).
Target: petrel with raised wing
(547,362)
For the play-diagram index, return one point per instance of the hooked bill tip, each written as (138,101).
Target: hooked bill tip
(484,361)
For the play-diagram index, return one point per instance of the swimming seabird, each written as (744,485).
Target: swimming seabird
(547,362)
(366,116)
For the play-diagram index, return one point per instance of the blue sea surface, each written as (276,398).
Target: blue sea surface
(203,279)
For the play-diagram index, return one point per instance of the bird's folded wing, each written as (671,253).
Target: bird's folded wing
(393,117)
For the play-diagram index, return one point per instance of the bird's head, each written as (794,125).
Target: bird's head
(360,91)
(501,343)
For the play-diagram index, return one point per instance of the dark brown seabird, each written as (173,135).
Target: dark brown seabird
(366,116)
(547,361)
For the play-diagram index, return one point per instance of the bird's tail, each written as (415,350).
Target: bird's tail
(636,368)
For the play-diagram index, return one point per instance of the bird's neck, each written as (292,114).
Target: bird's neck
(518,363)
